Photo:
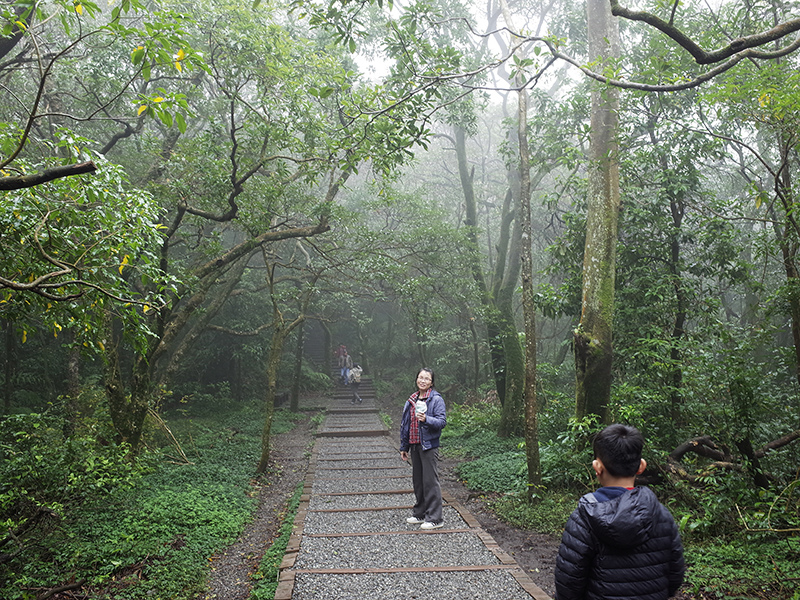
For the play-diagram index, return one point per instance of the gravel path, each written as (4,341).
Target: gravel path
(394,551)
(334,459)
(378,521)
(351,539)
(418,586)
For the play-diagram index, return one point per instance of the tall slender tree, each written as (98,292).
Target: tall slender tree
(593,336)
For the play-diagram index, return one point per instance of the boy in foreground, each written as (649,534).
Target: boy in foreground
(620,542)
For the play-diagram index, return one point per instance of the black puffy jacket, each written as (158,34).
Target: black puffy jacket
(627,547)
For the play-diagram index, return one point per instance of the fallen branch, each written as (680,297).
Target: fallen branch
(779,443)
(703,445)
(157,418)
(63,588)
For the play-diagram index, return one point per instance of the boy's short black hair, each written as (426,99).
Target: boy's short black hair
(619,448)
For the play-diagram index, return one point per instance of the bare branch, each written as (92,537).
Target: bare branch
(779,443)
(18,182)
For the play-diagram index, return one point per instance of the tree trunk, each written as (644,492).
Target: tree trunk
(593,336)
(328,347)
(191,331)
(127,412)
(476,355)
(745,446)
(476,260)
(273,363)
(73,370)
(676,357)
(279,334)
(494,320)
(388,339)
(789,249)
(280,331)
(528,306)
(294,401)
(511,420)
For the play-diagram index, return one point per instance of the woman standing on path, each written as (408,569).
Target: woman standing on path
(420,427)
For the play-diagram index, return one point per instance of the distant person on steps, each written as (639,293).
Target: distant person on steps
(421,425)
(355,382)
(345,364)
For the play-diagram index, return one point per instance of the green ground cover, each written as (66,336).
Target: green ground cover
(149,530)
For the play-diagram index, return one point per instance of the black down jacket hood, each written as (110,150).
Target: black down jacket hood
(624,548)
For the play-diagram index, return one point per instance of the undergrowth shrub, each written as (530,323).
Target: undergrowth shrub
(49,469)
(496,464)
(207,400)
(504,472)
(312,380)
(481,416)
(745,566)
(546,515)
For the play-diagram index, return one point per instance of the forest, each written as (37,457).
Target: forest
(576,213)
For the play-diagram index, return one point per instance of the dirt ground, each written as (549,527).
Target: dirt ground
(231,570)
(230,575)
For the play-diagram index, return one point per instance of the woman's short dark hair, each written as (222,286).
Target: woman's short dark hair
(428,371)
(619,448)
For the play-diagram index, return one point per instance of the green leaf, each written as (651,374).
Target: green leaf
(166,117)
(138,55)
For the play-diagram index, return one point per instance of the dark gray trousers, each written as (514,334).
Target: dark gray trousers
(425,479)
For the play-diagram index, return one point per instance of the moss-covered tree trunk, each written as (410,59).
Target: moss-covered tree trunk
(790,245)
(512,417)
(327,367)
(476,265)
(593,336)
(281,328)
(528,305)
(127,410)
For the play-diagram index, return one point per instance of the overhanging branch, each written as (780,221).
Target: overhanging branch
(700,56)
(19,182)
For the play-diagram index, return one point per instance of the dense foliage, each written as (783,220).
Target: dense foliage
(200,201)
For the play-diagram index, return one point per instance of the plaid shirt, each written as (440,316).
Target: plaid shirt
(413,432)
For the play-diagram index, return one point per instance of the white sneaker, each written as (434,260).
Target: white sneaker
(414,521)
(429,525)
